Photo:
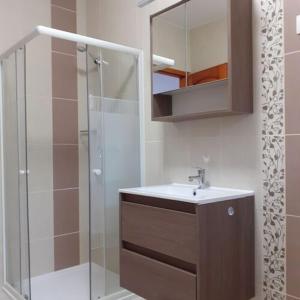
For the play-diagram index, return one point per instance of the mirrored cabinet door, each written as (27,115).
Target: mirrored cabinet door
(169,38)
(201,60)
(207,45)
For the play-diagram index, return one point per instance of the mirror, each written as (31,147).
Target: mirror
(189,45)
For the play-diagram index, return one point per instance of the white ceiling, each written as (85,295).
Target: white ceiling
(199,12)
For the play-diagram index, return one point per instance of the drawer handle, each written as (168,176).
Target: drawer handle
(230,211)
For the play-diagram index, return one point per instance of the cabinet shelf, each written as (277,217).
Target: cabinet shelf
(195,87)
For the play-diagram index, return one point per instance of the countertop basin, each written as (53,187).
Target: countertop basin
(189,193)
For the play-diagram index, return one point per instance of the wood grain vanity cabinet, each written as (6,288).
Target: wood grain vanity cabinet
(173,250)
(213,68)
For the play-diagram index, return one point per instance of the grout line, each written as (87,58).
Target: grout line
(51,237)
(64,99)
(52,190)
(289,295)
(293,134)
(56,144)
(293,216)
(292,52)
(64,8)
(66,189)
(66,234)
(64,53)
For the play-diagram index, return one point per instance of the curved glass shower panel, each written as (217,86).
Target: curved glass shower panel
(17,272)
(115,157)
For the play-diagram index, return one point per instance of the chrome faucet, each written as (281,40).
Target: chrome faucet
(202,183)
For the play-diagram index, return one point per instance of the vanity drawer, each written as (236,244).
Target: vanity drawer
(154,280)
(170,232)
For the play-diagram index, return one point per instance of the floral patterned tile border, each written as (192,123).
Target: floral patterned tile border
(273,152)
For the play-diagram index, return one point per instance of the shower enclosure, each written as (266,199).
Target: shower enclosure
(71,136)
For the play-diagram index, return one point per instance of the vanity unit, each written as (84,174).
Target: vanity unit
(177,246)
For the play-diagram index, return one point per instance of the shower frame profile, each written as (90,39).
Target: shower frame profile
(80,39)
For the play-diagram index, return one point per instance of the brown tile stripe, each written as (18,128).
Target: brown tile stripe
(68,4)
(66,251)
(63,20)
(65,138)
(293,256)
(293,175)
(66,211)
(292,120)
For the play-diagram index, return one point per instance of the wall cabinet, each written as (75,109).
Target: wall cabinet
(202,60)
(172,250)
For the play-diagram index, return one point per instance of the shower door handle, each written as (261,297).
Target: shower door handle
(97,172)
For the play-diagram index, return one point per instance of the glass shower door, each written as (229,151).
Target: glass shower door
(17,271)
(114,128)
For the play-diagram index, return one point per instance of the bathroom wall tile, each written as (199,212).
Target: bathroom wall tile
(154,163)
(65,166)
(84,246)
(39,111)
(291,10)
(40,215)
(98,256)
(66,211)
(273,295)
(274,231)
(242,168)
(39,68)
(41,256)
(272,60)
(292,91)
(66,251)
(292,174)
(40,166)
(293,257)
(274,197)
(273,158)
(65,121)
(64,76)
(69,4)
(63,20)
(274,273)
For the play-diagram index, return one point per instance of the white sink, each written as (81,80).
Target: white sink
(189,193)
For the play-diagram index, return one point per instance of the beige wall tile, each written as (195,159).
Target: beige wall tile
(154,162)
(292,92)
(40,167)
(40,215)
(292,175)
(41,256)
(293,257)
(291,10)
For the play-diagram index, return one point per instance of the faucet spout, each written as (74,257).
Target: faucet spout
(200,178)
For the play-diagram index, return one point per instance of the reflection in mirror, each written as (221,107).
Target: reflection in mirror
(207,41)
(190,45)
(169,49)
